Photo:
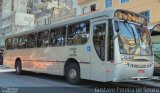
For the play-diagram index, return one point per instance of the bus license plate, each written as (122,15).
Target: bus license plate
(141,71)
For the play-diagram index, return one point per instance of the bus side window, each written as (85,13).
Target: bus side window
(78,33)
(31,40)
(110,41)
(15,43)
(8,43)
(23,42)
(42,39)
(58,36)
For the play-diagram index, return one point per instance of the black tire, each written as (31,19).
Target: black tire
(73,74)
(18,68)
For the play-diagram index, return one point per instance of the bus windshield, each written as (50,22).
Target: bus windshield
(134,39)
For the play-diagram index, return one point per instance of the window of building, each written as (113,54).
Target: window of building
(58,36)
(124,1)
(93,7)
(78,33)
(84,10)
(42,39)
(99,39)
(146,14)
(23,41)
(31,40)
(108,3)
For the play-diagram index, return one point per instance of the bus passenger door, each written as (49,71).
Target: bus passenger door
(102,56)
(98,54)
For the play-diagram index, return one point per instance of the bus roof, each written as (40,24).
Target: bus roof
(107,12)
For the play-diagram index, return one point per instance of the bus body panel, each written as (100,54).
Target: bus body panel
(51,60)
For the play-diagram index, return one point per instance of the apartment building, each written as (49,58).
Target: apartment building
(14,17)
(148,8)
(49,11)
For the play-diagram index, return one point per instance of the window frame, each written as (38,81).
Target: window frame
(124,1)
(106,3)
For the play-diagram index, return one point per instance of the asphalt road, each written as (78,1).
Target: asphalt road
(43,83)
(38,83)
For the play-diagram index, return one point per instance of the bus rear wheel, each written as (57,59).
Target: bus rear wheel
(73,74)
(18,68)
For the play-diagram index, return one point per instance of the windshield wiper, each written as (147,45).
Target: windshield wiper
(133,34)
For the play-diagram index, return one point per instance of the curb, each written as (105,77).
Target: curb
(2,67)
(7,70)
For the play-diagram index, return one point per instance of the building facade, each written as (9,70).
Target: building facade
(0,8)
(14,17)
(49,11)
(19,15)
(148,8)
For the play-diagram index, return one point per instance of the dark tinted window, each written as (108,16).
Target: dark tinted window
(42,40)
(31,40)
(8,43)
(15,42)
(58,36)
(23,41)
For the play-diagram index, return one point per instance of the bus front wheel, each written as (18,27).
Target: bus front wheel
(18,68)
(73,74)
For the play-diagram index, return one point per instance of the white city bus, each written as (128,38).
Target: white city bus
(109,45)
(155,38)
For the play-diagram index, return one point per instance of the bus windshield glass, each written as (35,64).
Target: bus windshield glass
(134,39)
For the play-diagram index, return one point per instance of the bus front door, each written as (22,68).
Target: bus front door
(102,56)
(98,55)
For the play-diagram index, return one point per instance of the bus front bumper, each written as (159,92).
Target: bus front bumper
(125,73)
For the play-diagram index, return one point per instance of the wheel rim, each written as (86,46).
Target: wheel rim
(72,73)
